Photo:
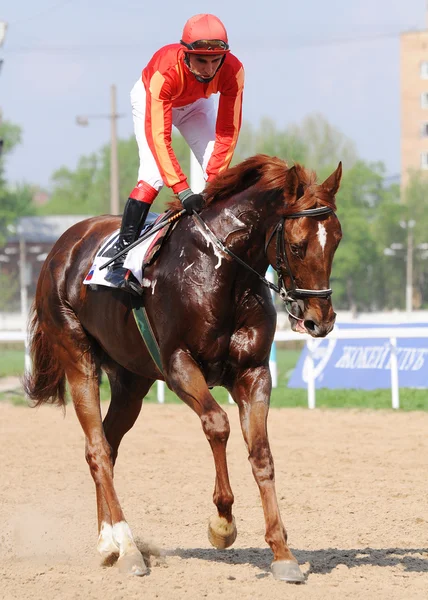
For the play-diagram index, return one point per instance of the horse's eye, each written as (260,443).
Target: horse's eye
(297,250)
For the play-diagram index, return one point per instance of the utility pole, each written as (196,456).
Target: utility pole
(409,266)
(83,120)
(409,248)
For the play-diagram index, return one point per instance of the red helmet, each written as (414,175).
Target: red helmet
(205,34)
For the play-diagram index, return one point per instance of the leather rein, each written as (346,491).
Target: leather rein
(287,295)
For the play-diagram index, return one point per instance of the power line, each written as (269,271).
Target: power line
(67,49)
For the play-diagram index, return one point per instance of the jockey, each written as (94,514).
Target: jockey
(176,88)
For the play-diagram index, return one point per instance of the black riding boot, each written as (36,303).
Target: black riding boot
(133,219)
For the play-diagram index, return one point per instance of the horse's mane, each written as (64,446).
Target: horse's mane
(269,173)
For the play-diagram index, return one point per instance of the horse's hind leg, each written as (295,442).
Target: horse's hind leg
(127,393)
(186,380)
(83,382)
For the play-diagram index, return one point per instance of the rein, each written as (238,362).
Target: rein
(222,247)
(294,293)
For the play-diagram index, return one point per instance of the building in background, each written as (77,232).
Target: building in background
(414,102)
(22,256)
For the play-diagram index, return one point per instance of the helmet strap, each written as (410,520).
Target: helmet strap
(198,77)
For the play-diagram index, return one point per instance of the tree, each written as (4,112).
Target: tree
(267,139)
(15,202)
(324,145)
(86,190)
(365,209)
(415,208)
(11,136)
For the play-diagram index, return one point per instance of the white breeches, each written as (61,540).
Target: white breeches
(196,122)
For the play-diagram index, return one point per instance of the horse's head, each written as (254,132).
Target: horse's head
(301,248)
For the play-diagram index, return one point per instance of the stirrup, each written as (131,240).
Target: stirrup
(122,279)
(132,285)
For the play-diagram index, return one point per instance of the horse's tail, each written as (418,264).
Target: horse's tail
(46,382)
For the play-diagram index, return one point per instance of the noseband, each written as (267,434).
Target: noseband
(294,293)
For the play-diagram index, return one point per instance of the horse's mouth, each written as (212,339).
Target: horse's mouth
(296,322)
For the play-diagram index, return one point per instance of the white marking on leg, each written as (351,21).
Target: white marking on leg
(322,235)
(123,537)
(106,544)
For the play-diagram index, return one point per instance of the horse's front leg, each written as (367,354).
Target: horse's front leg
(251,391)
(186,380)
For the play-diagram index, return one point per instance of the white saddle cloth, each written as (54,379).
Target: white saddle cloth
(134,261)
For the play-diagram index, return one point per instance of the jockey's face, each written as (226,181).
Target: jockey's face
(204,65)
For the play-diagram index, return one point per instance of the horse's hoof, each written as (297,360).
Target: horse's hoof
(287,570)
(221,533)
(132,564)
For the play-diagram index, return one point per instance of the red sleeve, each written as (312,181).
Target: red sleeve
(229,118)
(158,129)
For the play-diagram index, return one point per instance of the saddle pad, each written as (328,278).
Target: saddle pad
(135,259)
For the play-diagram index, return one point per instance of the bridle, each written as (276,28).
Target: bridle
(287,295)
(294,293)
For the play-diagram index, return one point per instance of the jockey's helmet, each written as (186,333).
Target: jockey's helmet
(205,34)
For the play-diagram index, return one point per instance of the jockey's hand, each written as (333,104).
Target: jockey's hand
(190,201)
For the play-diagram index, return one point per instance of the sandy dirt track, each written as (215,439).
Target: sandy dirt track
(352,486)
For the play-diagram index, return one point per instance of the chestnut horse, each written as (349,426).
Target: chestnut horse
(214,321)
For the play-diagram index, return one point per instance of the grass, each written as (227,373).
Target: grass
(12,359)
(12,362)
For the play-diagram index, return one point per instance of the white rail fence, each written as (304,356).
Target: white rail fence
(391,333)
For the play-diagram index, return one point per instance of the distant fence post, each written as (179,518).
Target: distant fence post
(395,390)
(273,367)
(161,391)
(311,373)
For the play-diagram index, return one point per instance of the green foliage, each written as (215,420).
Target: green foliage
(11,136)
(415,210)
(267,139)
(358,276)
(9,286)
(325,145)
(86,190)
(15,202)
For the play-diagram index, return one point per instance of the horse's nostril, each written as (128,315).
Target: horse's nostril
(310,325)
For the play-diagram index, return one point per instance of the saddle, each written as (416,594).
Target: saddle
(159,239)
(138,258)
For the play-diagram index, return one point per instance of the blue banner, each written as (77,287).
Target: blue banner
(364,363)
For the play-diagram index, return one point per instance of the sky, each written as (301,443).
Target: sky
(336,58)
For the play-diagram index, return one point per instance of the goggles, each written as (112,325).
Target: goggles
(207,46)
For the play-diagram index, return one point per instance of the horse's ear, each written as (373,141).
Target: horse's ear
(291,183)
(332,183)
